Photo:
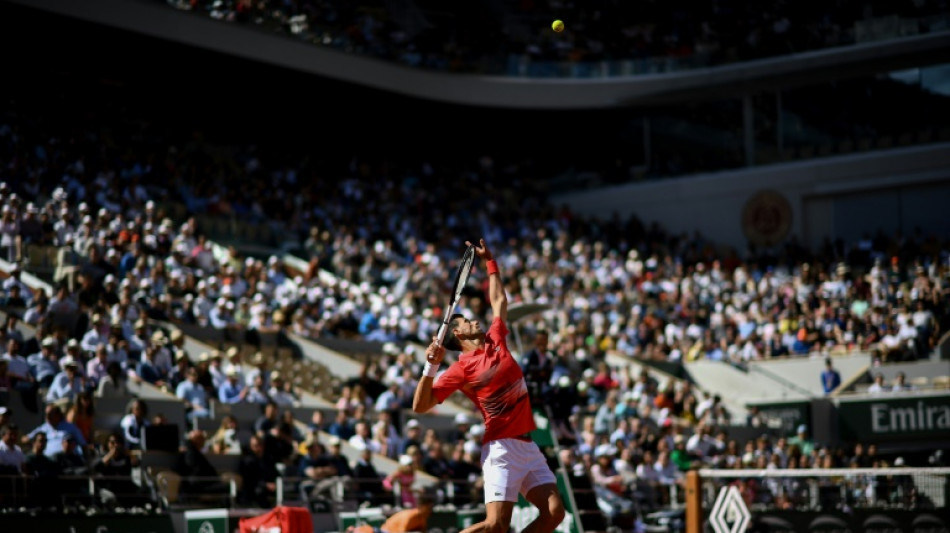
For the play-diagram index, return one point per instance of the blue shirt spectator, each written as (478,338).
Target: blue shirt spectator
(43,363)
(194,395)
(830,378)
(57,429)
(232,390)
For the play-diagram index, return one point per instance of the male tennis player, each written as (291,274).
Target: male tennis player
(487,373)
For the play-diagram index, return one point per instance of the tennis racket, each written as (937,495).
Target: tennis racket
(461,278)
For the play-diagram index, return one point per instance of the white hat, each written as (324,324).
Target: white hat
(49,341)
(477,430)
(335,441)
(462,418)
(899,461)
(412,423)
(405,460)
(604,450)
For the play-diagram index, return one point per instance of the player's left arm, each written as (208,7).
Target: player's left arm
(496,288)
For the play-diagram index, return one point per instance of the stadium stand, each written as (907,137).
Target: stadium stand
(270,310)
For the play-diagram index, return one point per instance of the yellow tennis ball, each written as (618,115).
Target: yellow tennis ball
(557,26)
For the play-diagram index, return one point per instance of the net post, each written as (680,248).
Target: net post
(694,502)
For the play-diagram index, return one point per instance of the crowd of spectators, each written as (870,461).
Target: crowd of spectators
(468,39)
(386,235)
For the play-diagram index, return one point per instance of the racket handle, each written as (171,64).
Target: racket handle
(443,329)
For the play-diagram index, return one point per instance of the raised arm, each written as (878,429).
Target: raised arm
(496,288)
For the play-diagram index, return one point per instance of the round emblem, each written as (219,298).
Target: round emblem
(766,218)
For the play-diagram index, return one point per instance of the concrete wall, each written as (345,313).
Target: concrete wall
(850,192)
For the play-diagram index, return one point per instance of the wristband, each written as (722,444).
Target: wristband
(430,370)
(492,267)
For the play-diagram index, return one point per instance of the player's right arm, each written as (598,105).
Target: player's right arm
(424,399)
(496,288)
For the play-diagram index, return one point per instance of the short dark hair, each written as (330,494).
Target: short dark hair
(452,342)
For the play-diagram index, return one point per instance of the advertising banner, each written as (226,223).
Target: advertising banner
(895,417)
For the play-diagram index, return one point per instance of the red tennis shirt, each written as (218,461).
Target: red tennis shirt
(492,379)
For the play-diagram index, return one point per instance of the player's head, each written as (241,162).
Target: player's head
(461,329)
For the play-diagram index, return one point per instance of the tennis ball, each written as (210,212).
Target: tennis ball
(557,26)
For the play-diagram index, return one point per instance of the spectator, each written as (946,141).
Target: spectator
(257,392)
(232,390)
(320,476)
(227,435)
(194,396)
(363,439)
(68,383)
(259,475)
(878,386)
(133,424)
(44,365)
(17,366)
(413,435)
(400,481)
(12,459)
(900,383)
(198,474)
(830,378)
(116,466)
(369,485)
(179,372)
(215,368)
(56,429)
(43,472)
(98,367)
(338,460)
(37,463)
(340,427)
(801,440)
(149,371)
(82,413)
(268,420)
(113,385)
(281,392)
(538,367)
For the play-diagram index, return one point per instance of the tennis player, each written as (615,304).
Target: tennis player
(487,373)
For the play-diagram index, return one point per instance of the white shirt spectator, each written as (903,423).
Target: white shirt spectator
(63,387)
(17,365)
(362,444)
(12,456)
(93,339)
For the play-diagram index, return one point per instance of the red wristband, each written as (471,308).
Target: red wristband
(492,267)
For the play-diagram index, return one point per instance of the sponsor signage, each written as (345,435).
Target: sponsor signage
(730,513)
(786,415)
(856,521)
(895,417)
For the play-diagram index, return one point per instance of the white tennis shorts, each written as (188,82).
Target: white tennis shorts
(513,466)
